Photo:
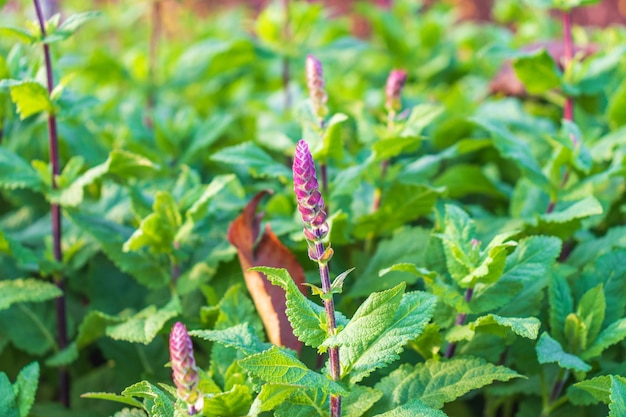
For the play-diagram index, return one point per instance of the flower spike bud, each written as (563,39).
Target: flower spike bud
(184,370)
(393,89)
(315,82)
(310,200)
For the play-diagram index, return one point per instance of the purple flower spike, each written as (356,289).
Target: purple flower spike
(395,82)
(185,373)
(310,200)
(315,82)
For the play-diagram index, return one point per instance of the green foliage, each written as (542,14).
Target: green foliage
(538,72)
(17,399)
(26,290)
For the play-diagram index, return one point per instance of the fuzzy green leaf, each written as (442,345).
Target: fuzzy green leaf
(25,387)
(144,326)
(519,289)
(591,309)
(413,408)
(600,386)
(112,397)
(29,97)
(234,402)
(561,305)
(146,269)
(278,367)
(550,351)
(16,173)
(527,327)
(436,383)
(8,405)
(614,333)
(459,230)
(358,360)
(586,207)
(241,337)
(359,400)
(158,229)
(26,290)
(369,321)
(253,158)
(271,397)
(513,148)
(537,71)
(617,407)
(307,323)
(156,401)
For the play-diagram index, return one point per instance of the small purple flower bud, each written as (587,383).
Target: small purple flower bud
(184,371)
(393,89)
(315,82)
(310,200)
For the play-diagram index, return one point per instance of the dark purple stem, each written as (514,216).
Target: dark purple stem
(286,74)
(329,305)
(55,209)
(460,320)
(568,110)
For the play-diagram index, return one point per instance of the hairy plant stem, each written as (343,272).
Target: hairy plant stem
(329,305)
(155,35)
(55,210)
(460,320)
(554,401)
(286,74)
(568,109)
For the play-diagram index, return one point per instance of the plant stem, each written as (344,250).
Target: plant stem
(155,35)
(554,401)
(329,305)
(568,110)
(460,320)
(55,209)
(286,75)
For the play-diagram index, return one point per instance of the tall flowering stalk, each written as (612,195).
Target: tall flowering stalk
(317,93)
(184,370)
(393,104)
(311,206)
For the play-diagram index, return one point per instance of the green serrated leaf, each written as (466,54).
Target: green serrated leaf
(144,326)
(241,337)
(255,159)
(413,408)
(25,387)
(527,327)
(22,35)
(16,173)
(71,25)
(358,401)
(146,269)
(26,290)
(612,334)
(514,149)
(112,397)
(551,351)
(278,367)
(8,405)
(306,321)
(537,71)
(579,210)
(234,402)
(410,318)
(617,406)
(271,397)
(599,387)
(591,309)
(29,97)
(561,305)
(158,229)
(436,383)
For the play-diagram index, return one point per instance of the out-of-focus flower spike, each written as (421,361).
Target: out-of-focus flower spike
(317,89)
(393,90)
(310,200)
(184,370)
